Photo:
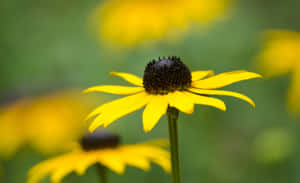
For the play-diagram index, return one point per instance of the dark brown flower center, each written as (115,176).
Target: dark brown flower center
(166,75)
(99,140)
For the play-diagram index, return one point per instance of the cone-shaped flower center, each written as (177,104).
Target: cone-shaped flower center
(166,75)
(99,140)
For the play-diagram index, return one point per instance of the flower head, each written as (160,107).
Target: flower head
(42,122)
(129,22)
(281,55)
(104,149)
(167,83)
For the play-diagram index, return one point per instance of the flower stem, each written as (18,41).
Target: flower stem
(102,171)
(173,136)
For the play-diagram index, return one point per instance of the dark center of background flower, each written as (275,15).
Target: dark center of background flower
(166,75)
(99,140)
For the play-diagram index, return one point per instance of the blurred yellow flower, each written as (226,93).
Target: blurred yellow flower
(104,150)
(46,123)
(281,55)
(129,22)
(166,83)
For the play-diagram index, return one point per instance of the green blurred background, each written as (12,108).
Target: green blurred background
(49,44)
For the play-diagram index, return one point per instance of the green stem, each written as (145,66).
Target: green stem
(102,171)
(173,136)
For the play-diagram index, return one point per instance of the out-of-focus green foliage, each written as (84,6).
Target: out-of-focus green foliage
(50,44)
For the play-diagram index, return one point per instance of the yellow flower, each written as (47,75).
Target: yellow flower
(104,149)
(46,123)
(129,22)
(11,128)
(281,55)
(166,82)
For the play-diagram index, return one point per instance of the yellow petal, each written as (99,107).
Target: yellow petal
(159,156)
(38,172)
(159,142)
(133,79)
(149,152)
(112,160)
(134,160)
(203,100)
(113,104)
(224,79)
(164,163)
(110,113)
(154,110)
(84,161)
(226,93)
(121,90)
(64,167)
(181,101)
(197,75)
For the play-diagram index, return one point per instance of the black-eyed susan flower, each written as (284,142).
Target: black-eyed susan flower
(168,86)
(129,22)
(166,83)
(281,55)
(103,149)
(46,123)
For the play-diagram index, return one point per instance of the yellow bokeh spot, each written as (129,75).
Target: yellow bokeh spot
(47,123)
(129,22)
(281,55)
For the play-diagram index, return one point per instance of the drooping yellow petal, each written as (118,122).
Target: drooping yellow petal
(85,160)
(134,160)
(197,75)
(65,165)
(133,79)
(113,104)
(60,173)
(224,79)
(154,110)
(39,171)
(112,159)
(121,90)
(209,101)
(222,92)
(110,113)
(159,156)
(164,163)
(181,101)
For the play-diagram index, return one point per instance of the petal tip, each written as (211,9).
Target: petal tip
(224,108)
(190,112)
(112,74)
(85,91)
(91,130)
(93,127)
(259,75)
(147,130)
(105,125)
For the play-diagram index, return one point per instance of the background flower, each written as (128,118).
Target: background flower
(48,123)
(281,55)
(129,22)
(103,149)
